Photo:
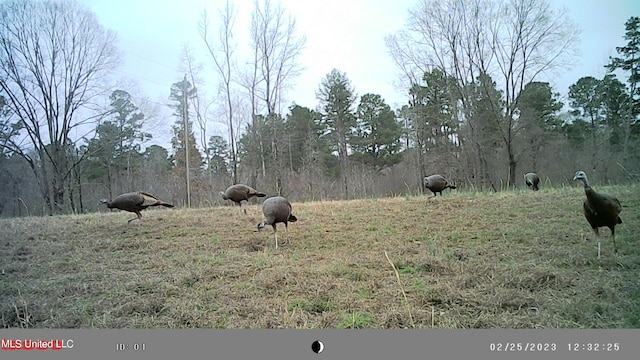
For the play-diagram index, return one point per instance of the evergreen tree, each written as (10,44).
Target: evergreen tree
(484,127)
(114,152)
(586,100)
(253,151)
(304,136)
(377,135)
(187,159)
(537,108)
(629,61)
(603,105)
(337,99)
(218,149)
(615,103)
(432,119)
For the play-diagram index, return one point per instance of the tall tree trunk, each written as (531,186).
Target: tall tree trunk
(60,162)
(42,177)
(78,178)
(422,166)
(232,138)
(342,154)
(512,166)
(263,165)
(70,184)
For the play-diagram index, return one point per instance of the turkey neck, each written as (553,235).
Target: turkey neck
(592,196)
(585,182)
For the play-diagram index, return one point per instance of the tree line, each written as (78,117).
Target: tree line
(476,110)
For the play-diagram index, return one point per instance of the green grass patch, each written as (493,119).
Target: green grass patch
(355,321)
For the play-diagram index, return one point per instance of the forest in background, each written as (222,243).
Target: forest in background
(475,111)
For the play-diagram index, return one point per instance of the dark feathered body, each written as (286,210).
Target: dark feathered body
(436,184)
(532,180)
(240,193)
(600,209)
(277,210)
(134,202)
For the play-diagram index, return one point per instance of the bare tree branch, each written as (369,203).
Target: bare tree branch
(53,56)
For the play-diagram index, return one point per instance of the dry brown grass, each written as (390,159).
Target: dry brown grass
(508,260)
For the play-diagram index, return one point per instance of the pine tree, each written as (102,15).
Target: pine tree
(187,159)
(115,150)
(629,61)
(337,99)
(377,140)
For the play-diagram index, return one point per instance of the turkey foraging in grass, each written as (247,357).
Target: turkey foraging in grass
(134,202)
(240,194)
(600,209)
(277,210)
(532,180)
(436,184)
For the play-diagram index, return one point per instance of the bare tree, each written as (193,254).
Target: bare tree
(193,71)
(223,58)
(200,106)
(277,49)
(53,55)
(530,39)
(274,36)
(513,41)
(250,82)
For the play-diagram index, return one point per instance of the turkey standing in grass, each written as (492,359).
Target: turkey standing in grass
(277,210)
(240,193)
(600,209)
(134,202)
(436,184)
(532,180)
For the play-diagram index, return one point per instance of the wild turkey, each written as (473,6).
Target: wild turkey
(532,180)
(277,210)
(600,209)
(436,184)
(134,202)
(240,193)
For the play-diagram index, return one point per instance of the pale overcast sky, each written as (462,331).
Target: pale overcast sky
(344,34)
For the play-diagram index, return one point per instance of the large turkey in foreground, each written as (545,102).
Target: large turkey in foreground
(600,209)
(436,184)
(532,180)
(240,193)
(134,202)
(277,210)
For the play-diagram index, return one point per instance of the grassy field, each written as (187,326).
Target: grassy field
(514,259)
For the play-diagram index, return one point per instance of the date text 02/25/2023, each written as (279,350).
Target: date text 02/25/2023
(551,347)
